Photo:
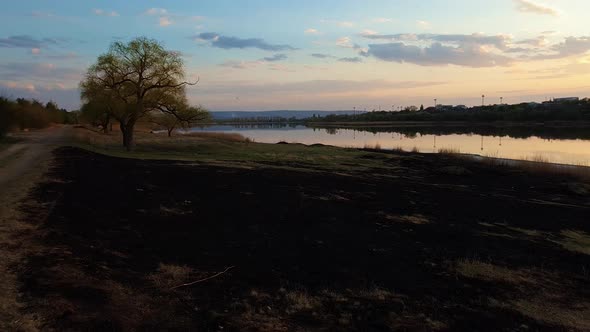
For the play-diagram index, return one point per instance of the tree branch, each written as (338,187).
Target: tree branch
(169,86)
(203,280)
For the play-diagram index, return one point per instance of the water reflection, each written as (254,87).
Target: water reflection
(559,145)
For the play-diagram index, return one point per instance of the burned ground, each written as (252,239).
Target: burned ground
(436,243)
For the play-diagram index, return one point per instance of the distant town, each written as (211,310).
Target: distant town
(557,109)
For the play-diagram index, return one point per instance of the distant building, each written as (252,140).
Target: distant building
(566,100)
(442,107)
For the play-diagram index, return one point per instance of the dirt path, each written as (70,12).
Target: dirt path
(22,165)
(36,147)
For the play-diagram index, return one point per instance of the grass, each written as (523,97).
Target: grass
(170,275)
(546,305)
(449,151)
(231,149)
(477,269)
(377,147)
(576,241)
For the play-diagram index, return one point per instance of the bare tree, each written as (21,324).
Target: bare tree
(185,118)
(136,79)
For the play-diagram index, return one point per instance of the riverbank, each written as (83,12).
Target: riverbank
(500,124)
(222,233)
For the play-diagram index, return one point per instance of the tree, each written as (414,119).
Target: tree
(134,80)
(422,107)
(97,114)
(182,118)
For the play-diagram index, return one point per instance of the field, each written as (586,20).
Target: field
(218,233)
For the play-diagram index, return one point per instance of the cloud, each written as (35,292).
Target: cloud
(156,11)
(44,81)
(35,51)
(540,41)
(67,56)
(43,14)
(68,98)
(498,41)
(437,54)
(311,31)
(269,62)
(167,18)
(382,20)
(322,56)
(570,47)
(240,64)
(484,50)
(276,58)
(424,25)
(24,41)
(165,21)
(226,42)
(42,71)
(351,60)
(344,42)
(316,94)
(342,24)
(527,6)
(101,12)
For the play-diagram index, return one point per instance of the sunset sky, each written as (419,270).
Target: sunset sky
(328,54)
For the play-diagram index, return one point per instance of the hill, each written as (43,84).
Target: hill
(281,114)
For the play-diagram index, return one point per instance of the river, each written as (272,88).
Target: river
(549,144)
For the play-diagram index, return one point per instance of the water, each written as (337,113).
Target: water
(557,145)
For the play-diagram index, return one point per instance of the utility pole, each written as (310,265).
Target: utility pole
(483,100)
(435,102)
(501,100)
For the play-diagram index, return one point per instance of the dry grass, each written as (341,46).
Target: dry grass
(16,242)
(551,302)
(229,137)
(575,241)
(537,158)
(377,147)
(476,269)
(416,219)
(540,308)
(540,165)
(170,275)
(302,301)
(449,151)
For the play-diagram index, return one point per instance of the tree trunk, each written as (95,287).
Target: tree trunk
(170,130)
(127,130)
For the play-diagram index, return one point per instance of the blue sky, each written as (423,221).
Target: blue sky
(260,55)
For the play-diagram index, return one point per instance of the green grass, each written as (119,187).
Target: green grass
(238,152)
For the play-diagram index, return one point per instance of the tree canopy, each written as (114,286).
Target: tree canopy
(135,79)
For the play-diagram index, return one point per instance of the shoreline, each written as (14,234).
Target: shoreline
(551,124)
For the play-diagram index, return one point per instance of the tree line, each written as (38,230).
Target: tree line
(572,111)
(21,114)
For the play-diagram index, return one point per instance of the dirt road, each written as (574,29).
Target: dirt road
(35,148)
(22,165)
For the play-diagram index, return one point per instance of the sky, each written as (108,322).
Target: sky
(311,55)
